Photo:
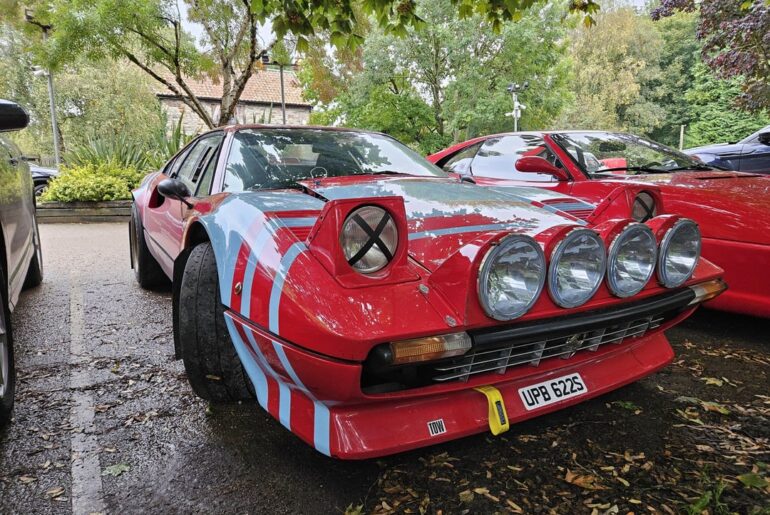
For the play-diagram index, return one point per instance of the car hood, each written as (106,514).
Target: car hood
(718,148)
(444,215)
(727,205)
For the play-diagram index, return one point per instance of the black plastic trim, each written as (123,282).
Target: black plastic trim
(554,328)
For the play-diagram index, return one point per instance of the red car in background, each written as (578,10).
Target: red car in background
(731,208)
(373,304)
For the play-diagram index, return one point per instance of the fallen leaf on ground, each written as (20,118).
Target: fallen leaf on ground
(715,407)
(54,492)
(714,381)
(465,496)
(586,481)
(116,470)
(753,480)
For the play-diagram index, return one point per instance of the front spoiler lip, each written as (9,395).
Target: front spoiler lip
(583,322)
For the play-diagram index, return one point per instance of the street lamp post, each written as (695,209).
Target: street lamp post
(51,98)
(514,89)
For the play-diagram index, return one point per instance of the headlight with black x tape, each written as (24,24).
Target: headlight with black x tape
(369,239)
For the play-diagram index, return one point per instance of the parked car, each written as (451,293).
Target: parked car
(751,154)
(731,208)
(21,263)
(373,304)
(41,176)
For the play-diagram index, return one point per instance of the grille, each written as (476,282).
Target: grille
(533,352)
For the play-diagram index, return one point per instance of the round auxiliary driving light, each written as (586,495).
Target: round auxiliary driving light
(577,268)
(631,260)
(511,278)
(679,253)
(369,239)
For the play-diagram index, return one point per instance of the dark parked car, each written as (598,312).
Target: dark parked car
(751,154)
(21,262)
(41,176)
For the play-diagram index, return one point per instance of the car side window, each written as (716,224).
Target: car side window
(196,159)
(497,158)
(461,162)
(204,184)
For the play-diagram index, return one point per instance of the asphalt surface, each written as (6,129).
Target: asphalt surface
(106,422)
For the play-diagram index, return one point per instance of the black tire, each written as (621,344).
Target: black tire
(213,367)
(35,271)
(148,272)
(7,366)
(40,188)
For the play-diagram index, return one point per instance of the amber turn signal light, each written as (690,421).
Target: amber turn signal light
(429,348)
(707,291)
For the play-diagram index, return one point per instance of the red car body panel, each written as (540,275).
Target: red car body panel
(304,324)
(731,209)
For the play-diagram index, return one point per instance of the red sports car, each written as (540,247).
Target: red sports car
(373,304)
(731,208)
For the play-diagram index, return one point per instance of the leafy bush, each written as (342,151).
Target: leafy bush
(120,151)
(166,145)
(115,150)
(93,183)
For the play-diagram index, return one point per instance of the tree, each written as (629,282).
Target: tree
(92,100)
(615,73)
(149,33)
(680,54)
(715,119)
(455,68)
(736,41)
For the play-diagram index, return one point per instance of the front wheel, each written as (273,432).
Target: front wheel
(7,368)
(212,365)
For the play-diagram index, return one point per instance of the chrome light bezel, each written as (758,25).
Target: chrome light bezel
(664,250)
(484,271)
(390,221)
(556,256)
(628,232)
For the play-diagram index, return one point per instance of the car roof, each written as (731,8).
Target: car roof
(238,127)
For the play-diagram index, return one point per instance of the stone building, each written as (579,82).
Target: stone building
(259,103)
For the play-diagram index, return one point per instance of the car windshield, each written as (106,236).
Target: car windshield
(603,153)
(278,158)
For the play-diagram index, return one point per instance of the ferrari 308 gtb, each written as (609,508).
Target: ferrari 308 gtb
(373,304)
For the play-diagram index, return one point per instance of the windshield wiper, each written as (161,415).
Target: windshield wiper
(385,172)
(632,169)
(705,168)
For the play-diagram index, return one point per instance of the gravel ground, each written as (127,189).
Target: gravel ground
(106,422)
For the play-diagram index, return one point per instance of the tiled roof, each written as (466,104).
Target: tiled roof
(264,86)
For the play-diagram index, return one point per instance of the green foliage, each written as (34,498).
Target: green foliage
(446,80)
(615,73)
(164,145)
(715,118)
(93,183)
(678,59)
(117,151)
(404,116)
(92,99)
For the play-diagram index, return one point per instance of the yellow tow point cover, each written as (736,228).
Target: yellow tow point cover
(498,418)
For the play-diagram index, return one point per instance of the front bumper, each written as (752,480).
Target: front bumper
(320,399)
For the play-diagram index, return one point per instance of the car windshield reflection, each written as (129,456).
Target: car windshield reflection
(279,158)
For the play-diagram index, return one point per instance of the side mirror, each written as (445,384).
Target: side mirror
(12,116)
(175,189)
(764,138)
(534,164)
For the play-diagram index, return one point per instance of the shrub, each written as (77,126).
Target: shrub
(115,150)
(93,183)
